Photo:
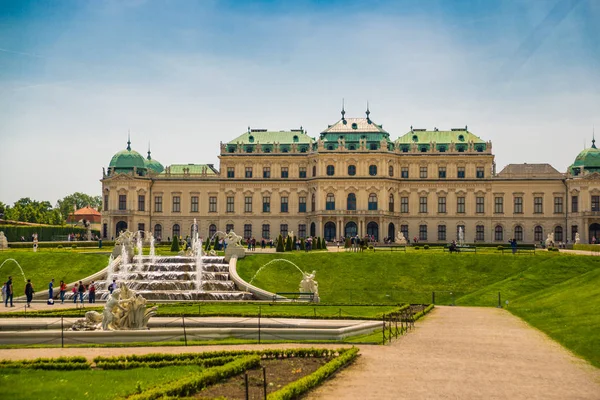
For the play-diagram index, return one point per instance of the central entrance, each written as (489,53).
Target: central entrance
(351,229)
(373,230)
(594,233)
(329,231)
(121,226)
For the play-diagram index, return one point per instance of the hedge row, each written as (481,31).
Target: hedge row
(421,314)
(45,232)
(587,247)
(123,364)
(61,363)
(194,383)
(62,244)
(303,385)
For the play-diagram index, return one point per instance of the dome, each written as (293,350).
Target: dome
(153,165)
(127,159)
(588,160)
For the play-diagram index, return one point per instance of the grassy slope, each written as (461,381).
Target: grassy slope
(42,266)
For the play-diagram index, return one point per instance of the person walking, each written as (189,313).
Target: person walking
(9,293)
(63,290)
(81,292)
(75,290)
(51,292)
(3,291)
(29,292)
(92,292)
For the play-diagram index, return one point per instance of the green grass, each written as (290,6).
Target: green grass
(44,265)
(21,384)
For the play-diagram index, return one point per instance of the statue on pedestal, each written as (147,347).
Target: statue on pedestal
(577,239)
(309,285)
(3,241)
(400,239)
(550,240)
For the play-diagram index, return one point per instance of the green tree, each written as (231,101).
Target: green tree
(318,243)
(280,248)
(77,200)
(302,244)
(175,244)
(347,243)
(288,244)
(323,244)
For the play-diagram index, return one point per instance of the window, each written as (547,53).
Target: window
(141,202)
(230,204)
(518,205)
(441,232)
(538,205)
(595,203)
(284,204)
(460,172)
(460,205)
(574,203)
(104,231)
(176,231)
(158,232)
(558,234)
(373,170)
(391,170)
(573,232)
(518,233)
(266,172)
(442,205)
(391,203)
(351,202)
(423,204)
(248,204)
(142,229)
(302,204)
(423,172)
(498,233)
(330,170)
(351,170)
(422,232)
(538,234)
(105,202)
(479,205)
(284,172)
(248,172)
(313,203)
(499,205)
(404,230)
(404,172)
(442,172)
(558,205)
(314,171)
(228,228)
(212,230)
(283,229)
(122,202)
(302,231)
(266,231)
(212,204)
(330,202)
(479,233)
(194,205)
(230,172)
(480,172)
(247,231)
(266,204)
(404,204)
(176,204)
(372,202)
(158,203)
(302,172)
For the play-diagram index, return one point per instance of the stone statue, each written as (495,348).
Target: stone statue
(35,242)
(291,234)
(576,238)
(461,236)
(400,239)
(3,241)
(124,245)
(550,240)
(309,285)
(233,240)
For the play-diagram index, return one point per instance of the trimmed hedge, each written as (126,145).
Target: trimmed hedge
(126,364)
(45,232)
(58,245)
(587,247)
(60,363)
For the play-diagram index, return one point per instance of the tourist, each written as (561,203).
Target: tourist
(92,293)
(51,292)
(75,290)
(63,290)
(81,292)
(513,245)
(263,244)
(3,291)
(9,293)
(29,292)
(112,286)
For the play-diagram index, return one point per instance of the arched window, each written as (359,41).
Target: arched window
(538,234)
(351,203)
(391,170)
(391,203)
(212,229)
(373,231)
(313,229)
(518,233)
(330,170)
(158,232)
(330,202)
(558,234)
(498,233)
(351,170)
(176,230)
(313,204)
(373,170)
(329,231)
(372,201)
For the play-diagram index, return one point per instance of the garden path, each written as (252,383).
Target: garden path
(466,353)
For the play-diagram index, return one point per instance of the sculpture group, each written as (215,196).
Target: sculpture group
(309,285)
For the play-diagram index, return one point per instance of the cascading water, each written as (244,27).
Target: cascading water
(110,271)
(152,249)
(140,251)
(124,257)
(272,262)
(199,265)
(18,265)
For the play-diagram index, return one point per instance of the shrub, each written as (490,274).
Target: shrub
(347,243)
(426,247)
(73,246)
(288,244)
(371,247)
(60,246)
(416,247)
(500,248)
(175,244)
(323,244)
(302,244)
(280,248)
(207,245)
(318,243)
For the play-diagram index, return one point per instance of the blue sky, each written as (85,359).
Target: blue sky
(75,76)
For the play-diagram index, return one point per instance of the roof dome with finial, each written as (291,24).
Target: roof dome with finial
(588,160)
(127,159)
(153,165)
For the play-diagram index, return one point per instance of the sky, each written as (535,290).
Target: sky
(183,75)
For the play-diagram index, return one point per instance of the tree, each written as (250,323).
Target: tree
(323,244)
(318,243)
(280,248)
(288,244)
(175,244)
(77,200)
(347,243)
(302,244)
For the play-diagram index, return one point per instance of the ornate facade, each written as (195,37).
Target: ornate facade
(354,179)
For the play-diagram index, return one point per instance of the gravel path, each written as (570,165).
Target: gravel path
(466,353)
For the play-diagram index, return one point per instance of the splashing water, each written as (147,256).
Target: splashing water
(274,261)
(18,265)
(199,265)
(140,251)
(152,249)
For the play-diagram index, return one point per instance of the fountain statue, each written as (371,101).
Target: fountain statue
(400,239)
(461,236)
(124,310)
(234,246)
(309,285)
(550,240)
(124,245)
(577,239)
(3,241)
(35,242)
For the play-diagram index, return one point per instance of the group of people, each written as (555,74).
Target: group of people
(78,290)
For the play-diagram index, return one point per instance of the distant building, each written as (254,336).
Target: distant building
(355,180)
(86,213)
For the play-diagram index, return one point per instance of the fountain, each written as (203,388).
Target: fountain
(307,284)
(140,250)
(18,265)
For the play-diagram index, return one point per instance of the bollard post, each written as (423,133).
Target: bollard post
(340,313)
(432,297)
(199,312)
(258,325)
(396,326)
(390,329)
(383,328)
(184,331)
(246,383)
(315,312)
(499,301)
(265,382)
(62,332)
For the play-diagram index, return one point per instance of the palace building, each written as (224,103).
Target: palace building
(355,179)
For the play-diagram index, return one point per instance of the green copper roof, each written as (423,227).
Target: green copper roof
(127,159)
(588,158)
(192,169)
(268,137)
(426,137)
(153,164)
